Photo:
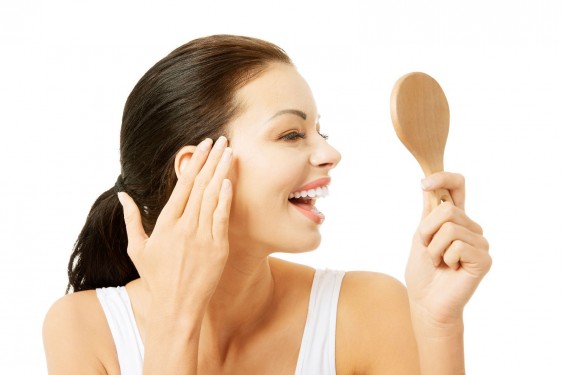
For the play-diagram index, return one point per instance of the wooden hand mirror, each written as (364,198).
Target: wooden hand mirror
(420,114)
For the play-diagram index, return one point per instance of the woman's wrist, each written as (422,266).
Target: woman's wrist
(167,318)
(187,305)
(436,324)
(171,342)
(440,342)
(441,351)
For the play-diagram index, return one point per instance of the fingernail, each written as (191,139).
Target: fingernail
(221,141)
(426,184)
(226,184)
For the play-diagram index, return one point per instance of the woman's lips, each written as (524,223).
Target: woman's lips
(308,210)
(306,205)
(324,181)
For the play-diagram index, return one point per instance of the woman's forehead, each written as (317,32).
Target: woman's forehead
(278,88)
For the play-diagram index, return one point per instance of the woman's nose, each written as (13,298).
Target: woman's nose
(325,155)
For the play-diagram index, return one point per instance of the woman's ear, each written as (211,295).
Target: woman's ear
(183,157)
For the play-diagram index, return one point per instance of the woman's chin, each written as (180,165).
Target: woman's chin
(281,239)
(304,244)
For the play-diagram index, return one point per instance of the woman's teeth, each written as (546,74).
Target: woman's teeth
(312,193)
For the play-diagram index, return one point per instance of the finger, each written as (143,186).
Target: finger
(445,212)
(470,258)
(212,193)
(453,182)
(427,204)
(193,207)
(452,256)
(221,216)
(446,236)
(135,232)
(188,172)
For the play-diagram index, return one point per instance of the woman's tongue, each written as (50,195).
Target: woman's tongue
(306,206)
(304,203)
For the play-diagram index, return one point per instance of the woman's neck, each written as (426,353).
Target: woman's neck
(243,299)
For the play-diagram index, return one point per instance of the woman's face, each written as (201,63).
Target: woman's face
(277,151)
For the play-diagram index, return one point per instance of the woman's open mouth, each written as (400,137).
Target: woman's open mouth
(304,201)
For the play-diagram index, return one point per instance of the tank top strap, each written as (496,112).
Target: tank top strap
(121,320)
(318,347)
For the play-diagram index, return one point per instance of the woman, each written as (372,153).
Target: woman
(185,284)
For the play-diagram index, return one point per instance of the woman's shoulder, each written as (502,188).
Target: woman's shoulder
(77,310)
(374,326)
(72,311)
(377,297)
(76,333)
(364,287)
(359,288)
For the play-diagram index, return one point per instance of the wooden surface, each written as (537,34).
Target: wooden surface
(420,115)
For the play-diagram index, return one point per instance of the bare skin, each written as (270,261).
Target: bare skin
(271,345)
(211,300)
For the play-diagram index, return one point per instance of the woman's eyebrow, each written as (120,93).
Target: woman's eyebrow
(295,112)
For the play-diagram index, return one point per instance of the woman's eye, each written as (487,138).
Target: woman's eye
(293,136)
(297,135)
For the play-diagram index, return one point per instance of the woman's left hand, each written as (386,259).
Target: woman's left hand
(449,256)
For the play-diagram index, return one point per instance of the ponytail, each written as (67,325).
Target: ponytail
(99,257)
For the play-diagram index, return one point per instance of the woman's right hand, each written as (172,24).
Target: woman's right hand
(183,259)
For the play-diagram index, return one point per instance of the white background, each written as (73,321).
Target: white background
(66,70)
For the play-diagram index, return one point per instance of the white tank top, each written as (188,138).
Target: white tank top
(318,347)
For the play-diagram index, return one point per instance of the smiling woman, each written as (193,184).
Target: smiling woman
(288,144)
(222,161)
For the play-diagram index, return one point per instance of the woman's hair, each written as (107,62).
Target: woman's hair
(186,97)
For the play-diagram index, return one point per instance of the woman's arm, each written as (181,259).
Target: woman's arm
(180,264)
(374,332)
(449,258)
(384,328)
(441,349)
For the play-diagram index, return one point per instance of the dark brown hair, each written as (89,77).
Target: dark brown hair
(186,97)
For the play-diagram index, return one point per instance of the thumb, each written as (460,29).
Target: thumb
(432,198)
(135,231)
